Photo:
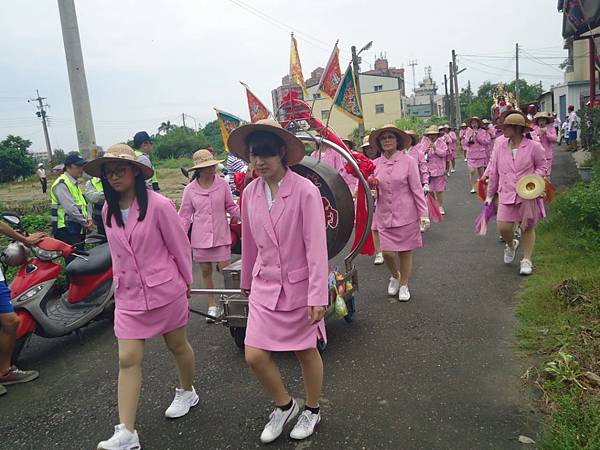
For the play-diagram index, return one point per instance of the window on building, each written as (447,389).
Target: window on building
(378,87)
(325,114)
(379,109)
(317,95)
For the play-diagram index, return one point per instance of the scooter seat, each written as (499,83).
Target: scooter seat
(98,261)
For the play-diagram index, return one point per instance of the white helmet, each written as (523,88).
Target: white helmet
(15,254)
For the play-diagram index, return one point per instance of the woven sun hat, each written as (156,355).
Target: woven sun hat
(516,119)
(414,137)
(431,130)
(403,138)
(203,158)
(543,115)
(475,118)
(365,142)
(117,153)
(463,125)
(530,186)
(239,147)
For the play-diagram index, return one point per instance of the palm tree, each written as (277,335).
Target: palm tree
(165,127)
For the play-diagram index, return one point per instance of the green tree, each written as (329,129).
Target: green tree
(180,142)
(58,156)
(15,162)
(213,134)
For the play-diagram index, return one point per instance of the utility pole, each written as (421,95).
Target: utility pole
(455,76)
(517,75)
(84,125)
(446,98)
(42,114)
(452,109)
(413,63)
(183,119)
(356,69)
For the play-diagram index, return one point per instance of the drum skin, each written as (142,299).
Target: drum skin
(337,202)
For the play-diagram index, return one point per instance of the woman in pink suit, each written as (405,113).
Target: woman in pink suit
(462,140)
(284,270)
(451,140)
(152,275)
(401,210)
(544,129)
(477,141)
(437,151)
(205,204)
(416,152)
(515,157)
(334,159)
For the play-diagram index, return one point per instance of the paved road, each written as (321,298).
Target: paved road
(440,372)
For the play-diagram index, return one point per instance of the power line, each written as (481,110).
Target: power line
(540,61)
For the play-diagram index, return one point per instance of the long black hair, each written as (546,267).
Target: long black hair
(263,143)
(112,200)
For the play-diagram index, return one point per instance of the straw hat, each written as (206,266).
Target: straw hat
(239,147)
(463,125)
(530,186)
(404,138)
(477,119)
(365,142)
(485,122)
(431,130)
(543,115)
(203,158)
(516,119)
(413,136)
(117,153)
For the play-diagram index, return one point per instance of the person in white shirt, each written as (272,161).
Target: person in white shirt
(41,172)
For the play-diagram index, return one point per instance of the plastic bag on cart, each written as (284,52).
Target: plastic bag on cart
(341,310)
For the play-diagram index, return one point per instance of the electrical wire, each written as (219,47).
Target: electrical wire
(539,60)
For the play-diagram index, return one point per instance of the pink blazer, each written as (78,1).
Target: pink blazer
(400,197)
(337,161)
(506,172)
(479,148)
(437,152)
(152,259)
(548,140)
(207,209)
(416,152)
(284,249)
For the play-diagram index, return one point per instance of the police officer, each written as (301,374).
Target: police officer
(94,194)
(142,143)
(70,215)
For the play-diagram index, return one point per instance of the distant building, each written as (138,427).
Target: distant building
(425,101)
(382,93)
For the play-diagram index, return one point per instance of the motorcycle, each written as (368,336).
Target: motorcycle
(90,292)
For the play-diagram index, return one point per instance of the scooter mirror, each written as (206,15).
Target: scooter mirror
(185,172)
(12,219)
(95,239)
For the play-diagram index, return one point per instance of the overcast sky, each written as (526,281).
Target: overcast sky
(149,61)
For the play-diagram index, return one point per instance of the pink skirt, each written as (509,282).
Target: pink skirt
(152,323)
(401,239)
(475,163)
(516,213)
(438,184)
(213,254)
(282,331)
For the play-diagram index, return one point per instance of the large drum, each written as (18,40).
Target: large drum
(337,202)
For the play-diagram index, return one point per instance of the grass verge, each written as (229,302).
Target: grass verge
(559,320)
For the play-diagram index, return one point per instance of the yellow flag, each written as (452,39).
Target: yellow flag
(296,68)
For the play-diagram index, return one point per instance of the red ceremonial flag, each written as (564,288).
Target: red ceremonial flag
(257,109)
(332,75)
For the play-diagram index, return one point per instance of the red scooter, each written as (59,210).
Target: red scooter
(89,294)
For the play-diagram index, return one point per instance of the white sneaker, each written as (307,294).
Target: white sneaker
(306,425)
(122,439)
(472,191)
(393,287)
(404,294)
(452,170)
(526,267)
(442,211)
(278,419)
(509,253)
(181,404)
(213,311)
(378,259)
